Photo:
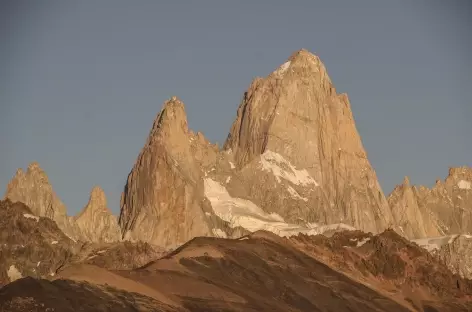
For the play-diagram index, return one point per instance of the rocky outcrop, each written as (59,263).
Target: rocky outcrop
(124,255)
(444,209)
(300,155)
(453,250)
(457,254)
(34,190)
(350,271)
(30,245)
(96,222)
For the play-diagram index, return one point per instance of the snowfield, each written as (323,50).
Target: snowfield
(246,214)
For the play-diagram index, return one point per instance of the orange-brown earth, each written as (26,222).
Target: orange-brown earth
(350,271)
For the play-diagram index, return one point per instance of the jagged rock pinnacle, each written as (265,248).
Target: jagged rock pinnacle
(96,222)
(34,190)
(161,200)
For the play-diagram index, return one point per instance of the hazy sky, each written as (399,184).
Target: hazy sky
(82,81)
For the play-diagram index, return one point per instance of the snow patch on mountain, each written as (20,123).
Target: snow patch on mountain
(219,233)
(464,185)
(244,213)
(282,68)
(13,273)
(295,194)
(282,168)
(30,216)
(435,243)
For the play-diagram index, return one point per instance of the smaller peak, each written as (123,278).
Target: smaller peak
(406,181)
(97,192)
(98,197)
(173,101)
(173,109)
(453,171)
(304,55)
(459,171)
(34,166)
(35,170)
(171,118)
(97,202)
(19,172)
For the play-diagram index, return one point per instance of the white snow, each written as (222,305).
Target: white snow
(295,194)
(464,185)
(401,229)
(231,165)
(207,214)
(362,242)
(244,238)
(282,69)
(54,242)
(244,213)
(101,251)
(434,243)
(228,179)
(37,264)
(282,168)
(71,238)
(219,233)
(13,273)
(30,216)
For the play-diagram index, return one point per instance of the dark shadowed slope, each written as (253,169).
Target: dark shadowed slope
(349,271)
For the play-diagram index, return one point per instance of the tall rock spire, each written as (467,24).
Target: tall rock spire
(296,114)
(293,160)
(162,199)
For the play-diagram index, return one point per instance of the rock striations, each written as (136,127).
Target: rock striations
(444,209)
(163,197)
(96,222)
(298,136)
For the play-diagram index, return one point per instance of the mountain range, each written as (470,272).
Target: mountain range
(290,196)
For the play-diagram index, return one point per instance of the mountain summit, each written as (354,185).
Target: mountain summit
(295,115)
(293,156)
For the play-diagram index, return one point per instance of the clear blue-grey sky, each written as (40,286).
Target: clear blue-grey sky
(82,81)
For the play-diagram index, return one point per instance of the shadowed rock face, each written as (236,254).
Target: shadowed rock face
(30,245)
(35,246)
(67,296)
(96,222)
(123,256)
(350,271)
